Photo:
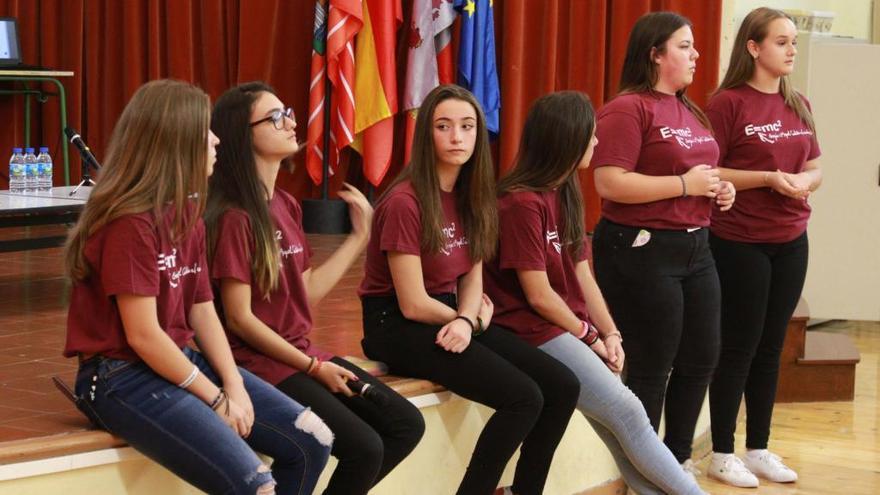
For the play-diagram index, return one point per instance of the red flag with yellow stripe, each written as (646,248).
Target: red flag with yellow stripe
(375,92)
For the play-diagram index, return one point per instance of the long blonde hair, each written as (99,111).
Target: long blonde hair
(755,27)
(158,155)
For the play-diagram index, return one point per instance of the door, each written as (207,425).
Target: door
(841,79)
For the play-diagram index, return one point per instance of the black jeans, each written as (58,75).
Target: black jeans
(665,298)
(533,394)
(760,288)
(370,440)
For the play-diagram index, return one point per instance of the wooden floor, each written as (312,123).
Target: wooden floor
(834,446)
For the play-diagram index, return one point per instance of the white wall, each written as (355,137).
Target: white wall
(853,18)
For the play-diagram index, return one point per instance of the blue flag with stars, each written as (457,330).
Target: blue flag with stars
(476,57)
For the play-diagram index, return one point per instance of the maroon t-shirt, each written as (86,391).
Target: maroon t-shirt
(530,230)
(654,134)
(287,310)
(130,255)
(397,226)
(758,131)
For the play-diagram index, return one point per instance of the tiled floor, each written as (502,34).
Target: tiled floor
(33,310)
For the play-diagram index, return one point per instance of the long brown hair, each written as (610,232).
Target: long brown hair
(158,155)
(474,189)
(556,135)
(236,184)
(755,27)
(648,38)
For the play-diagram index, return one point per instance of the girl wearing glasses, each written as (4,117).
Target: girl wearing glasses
(260,258)
(424,309)
(141,292)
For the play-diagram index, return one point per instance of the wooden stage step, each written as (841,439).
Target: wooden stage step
(90,439)
(815,366)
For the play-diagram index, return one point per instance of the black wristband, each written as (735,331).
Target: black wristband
(591,337)
(469,322)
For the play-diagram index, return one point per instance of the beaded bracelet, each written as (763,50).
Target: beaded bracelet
(221,396)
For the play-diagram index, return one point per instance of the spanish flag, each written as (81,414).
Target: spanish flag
(375,89)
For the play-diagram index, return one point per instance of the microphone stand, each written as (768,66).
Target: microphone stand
(86,178)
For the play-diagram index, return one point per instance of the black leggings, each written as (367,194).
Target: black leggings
(760,288)
(665,298)
(533,394)
(370,440)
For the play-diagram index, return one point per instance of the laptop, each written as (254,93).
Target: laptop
(10,48)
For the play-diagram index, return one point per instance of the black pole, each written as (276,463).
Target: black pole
(325,215)
(325,158)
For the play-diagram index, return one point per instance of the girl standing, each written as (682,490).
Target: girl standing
(768,146)
(655,172)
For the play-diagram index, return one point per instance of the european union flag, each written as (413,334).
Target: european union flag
(476,57)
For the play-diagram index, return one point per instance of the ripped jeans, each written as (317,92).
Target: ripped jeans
(179,431)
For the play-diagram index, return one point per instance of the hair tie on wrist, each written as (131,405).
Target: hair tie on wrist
(468,320)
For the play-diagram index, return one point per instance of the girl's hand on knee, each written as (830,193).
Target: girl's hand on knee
(614,350)
(233,415)
(599,348)
(238,394)
(455,336)
(334,377)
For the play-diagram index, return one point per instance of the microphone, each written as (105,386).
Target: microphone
(368,392)
(84,150)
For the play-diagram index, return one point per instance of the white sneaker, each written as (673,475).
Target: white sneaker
(689,467)
(769,466)
(728,468)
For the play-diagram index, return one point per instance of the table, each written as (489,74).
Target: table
(40,208)
(27,76)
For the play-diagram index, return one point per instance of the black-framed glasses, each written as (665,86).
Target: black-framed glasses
(277,118)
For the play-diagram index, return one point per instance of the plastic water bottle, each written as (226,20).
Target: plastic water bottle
(16,172)
(30,170)
(44,170)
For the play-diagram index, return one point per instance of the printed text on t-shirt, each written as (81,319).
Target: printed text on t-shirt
(168,263)
(553,238)
(684,137)
(453,243)
(772,132)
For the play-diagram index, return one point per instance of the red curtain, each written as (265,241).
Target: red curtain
(115,46)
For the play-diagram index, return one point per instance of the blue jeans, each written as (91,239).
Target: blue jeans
(617,415)
(179,431)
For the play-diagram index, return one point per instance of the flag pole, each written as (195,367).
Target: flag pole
(325,159)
